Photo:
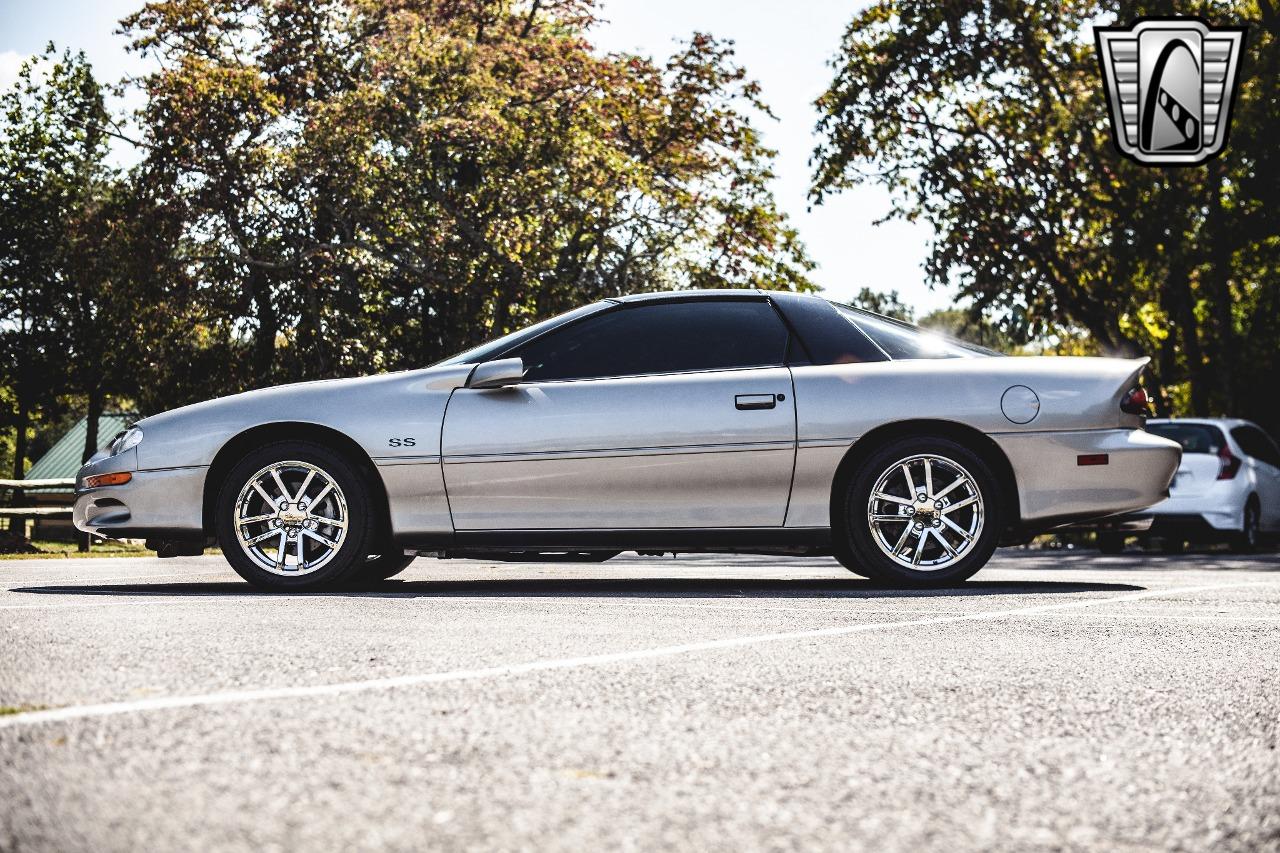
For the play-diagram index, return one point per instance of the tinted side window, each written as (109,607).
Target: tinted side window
(665,338)
(1257,444)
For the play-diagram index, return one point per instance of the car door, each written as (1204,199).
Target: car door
(1264,457)
(675,414)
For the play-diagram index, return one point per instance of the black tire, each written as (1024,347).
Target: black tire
(1111,543)
(361,524)
(855,543)
(1246,541)
(383,566)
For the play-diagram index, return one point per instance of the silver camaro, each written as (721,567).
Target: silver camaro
(736,421)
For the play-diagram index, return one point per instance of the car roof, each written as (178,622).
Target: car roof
(682,295)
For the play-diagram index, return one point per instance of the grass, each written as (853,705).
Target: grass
(101,548)
(8,710)
(49,549)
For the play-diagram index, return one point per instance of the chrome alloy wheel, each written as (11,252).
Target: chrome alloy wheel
(291,518)
(925,512)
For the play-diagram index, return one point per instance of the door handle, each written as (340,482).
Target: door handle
(755,401)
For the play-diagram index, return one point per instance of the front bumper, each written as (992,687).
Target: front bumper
(164,503)
(1054,488)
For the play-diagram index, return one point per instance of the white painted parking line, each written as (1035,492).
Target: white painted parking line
(77,712)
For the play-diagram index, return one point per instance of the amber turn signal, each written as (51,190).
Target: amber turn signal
(117,479)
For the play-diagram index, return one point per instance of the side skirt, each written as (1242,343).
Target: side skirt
(746,540)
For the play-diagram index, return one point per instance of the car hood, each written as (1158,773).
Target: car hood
(293,396)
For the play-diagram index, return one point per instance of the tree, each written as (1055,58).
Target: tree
(968,326)
(988,121)
(85,252)
(43,178)
(377,185)
(889,304)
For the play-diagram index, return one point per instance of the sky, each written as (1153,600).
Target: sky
(785,46)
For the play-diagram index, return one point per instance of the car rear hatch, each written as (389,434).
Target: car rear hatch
(1201,464)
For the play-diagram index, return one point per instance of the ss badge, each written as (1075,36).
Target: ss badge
(402,442)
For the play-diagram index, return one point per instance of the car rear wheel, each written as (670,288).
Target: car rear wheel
(920,511)
(1110,543)
(294,515)
(1246,541)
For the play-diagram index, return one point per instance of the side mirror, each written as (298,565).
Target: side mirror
(497,374)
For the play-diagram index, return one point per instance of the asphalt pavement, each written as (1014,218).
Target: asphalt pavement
(1060,700)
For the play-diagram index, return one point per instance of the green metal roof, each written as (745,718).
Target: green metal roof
(63,459)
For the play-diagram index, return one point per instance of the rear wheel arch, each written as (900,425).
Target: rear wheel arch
(975,440)
(1242,542)
(245,442)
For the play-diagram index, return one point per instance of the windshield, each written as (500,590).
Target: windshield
(487,351)
(904,341)
(1194,438)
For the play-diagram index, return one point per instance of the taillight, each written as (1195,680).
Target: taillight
(1136,402)
(1228,463)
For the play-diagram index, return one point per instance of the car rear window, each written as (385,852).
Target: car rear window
(1194,438)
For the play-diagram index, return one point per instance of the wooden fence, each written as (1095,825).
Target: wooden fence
(36,511)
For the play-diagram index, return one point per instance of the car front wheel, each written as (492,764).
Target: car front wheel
(920,511)
(384,566)
(295,515)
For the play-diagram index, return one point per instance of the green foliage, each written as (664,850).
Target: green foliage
(988,121)
(969,326)
(51,171)
(888,304)
(375,186)
(85,284)
(335,187)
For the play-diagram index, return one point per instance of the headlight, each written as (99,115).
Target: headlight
(132,437)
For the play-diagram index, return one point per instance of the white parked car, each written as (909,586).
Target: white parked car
(1226,488)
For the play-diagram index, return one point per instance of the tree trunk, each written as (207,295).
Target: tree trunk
(1218,284)
(1185,319)
(93,417)
(18,526)
(264,338)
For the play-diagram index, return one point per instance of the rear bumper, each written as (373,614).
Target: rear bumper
(1221,509)
(1195,527)
(1135,523)
(1190,526)
(1053,488)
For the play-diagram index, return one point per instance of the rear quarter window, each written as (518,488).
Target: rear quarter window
(904,341)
